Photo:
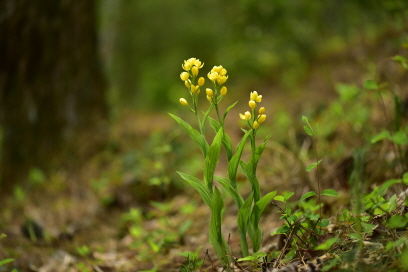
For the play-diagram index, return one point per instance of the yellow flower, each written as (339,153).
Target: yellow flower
(223,72)
(256,125)
(213,76)
(261,118)
(209,98)
(259,98)
(253,95)
(184,76)
(221,79)
(183,102)
(201,81)
(194,70)
(252,104)
(187,83)
(209,92)
(188,64)
(216,69)
(245,116)
(193,89)
(262,110)
(223,91)
(197,92)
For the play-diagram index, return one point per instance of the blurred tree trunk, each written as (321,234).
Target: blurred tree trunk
(52,90)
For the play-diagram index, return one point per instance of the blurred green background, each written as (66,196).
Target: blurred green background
(259,42)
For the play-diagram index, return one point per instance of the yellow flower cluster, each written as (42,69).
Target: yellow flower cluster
(192,67)
(190,63)
(218,75)
(254,99)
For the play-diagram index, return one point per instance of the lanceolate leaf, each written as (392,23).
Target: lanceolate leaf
(231,190)
(199,186)
(244,214)
(193,133)
(226,140)
(228,109)
(257,155)
(217,240)
(307,195)
(206,114)
(211,159)
(233,163)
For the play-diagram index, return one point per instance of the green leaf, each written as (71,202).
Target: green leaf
(327,244)
(264,201)
(216,239)
(329,192)
(199,186)
(212,158)
(193,133)
(307,195)
(288,195)
(397,221)
(231,190)
(234,162)
(254,256)
(282,230)
(226,140)
(367,227)
(385,134)
(354,236)
(313,165)
(405,178)
(387,185)
(244,214)
(227,110)
(370,85)
(279,198)
(324,223)
(6,261)
(400,138)
(308,130)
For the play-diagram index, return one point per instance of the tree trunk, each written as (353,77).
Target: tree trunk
(52,90)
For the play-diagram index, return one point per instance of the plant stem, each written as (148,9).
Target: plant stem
(317,175)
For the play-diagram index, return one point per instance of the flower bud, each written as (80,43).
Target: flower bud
(245,116)
(201,81)
(193,89)
(183,102)
(262,118)
(252,104)
(262,110)
(209,92)
(194,70)
(223,91)
(256,125)
(209,99)
(187,83)
(259,98)
(184,76)
(197,92)
(223,72)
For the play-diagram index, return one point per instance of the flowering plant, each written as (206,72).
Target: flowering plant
(250,209)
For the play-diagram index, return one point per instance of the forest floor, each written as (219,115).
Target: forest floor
(127,210)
